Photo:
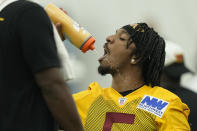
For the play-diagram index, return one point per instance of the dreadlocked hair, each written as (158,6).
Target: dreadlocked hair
(150,50)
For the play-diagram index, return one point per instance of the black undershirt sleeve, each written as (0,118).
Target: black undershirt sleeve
(37,40)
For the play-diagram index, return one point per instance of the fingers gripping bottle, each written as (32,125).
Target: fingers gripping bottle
(77,35)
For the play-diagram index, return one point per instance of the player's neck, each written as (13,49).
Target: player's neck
(127,79)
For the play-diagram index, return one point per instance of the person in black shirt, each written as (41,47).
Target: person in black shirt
(33,94)
(171,77)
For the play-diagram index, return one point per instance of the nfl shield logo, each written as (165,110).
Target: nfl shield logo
(122,100)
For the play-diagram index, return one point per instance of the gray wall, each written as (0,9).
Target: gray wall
(175,20)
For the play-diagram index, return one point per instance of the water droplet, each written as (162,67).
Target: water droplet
(95,52)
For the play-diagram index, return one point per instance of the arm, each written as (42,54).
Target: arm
(38,48)
(58,98)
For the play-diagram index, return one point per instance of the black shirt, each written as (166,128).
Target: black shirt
(27,46)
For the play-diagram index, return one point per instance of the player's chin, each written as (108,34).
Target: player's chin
(103,70)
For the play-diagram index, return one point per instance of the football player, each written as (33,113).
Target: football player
(134,56)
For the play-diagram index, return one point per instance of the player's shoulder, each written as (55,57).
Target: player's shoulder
(163,93)
(28,3)
(93,91)
(158,100)
(95,87)
(22,6)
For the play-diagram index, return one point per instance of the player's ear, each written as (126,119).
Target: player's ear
(134,59)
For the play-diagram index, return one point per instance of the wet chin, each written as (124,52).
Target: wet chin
(104,70)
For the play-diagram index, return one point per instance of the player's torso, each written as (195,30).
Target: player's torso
(145,109)
(121,115)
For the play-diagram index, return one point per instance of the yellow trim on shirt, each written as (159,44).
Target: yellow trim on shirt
(2,19)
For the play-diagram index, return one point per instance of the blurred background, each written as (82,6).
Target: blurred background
(175,20)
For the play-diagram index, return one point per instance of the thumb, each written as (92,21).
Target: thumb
(59,29)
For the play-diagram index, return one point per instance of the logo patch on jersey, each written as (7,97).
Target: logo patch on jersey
(122,100)
(153,105)
(2,19)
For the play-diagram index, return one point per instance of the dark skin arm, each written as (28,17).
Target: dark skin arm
(58,99)
(59,29)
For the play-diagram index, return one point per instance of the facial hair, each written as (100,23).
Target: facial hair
(106,70)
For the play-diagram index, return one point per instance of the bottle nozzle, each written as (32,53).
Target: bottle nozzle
(92,47)
(88,45)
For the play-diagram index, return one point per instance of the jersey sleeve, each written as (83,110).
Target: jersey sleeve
(175,118)
(37,40)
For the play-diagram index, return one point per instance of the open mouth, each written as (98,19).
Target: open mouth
(105,54)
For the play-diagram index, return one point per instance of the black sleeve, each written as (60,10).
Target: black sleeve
(37,40)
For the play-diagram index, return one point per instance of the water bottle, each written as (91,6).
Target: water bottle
(76,34)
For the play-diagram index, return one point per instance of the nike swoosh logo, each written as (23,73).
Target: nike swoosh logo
(2,19)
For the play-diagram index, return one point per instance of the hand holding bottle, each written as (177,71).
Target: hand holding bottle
(76,34)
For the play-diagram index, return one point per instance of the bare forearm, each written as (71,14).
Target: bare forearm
(61,104)
(58,98)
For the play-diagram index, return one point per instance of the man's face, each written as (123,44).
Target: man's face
(116,54)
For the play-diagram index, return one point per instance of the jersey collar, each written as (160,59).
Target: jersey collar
(115,96)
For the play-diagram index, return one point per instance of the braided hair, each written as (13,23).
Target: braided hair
(150,50)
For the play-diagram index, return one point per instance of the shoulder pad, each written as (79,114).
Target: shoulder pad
(94,87)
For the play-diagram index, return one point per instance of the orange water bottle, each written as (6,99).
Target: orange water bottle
(77,35)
